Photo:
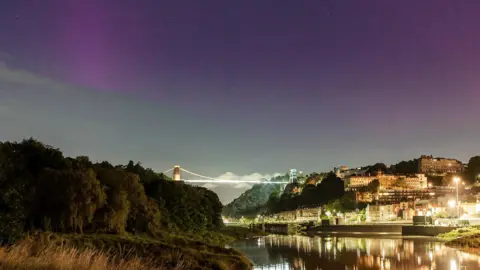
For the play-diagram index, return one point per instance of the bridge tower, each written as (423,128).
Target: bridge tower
(293,175)
(176,173)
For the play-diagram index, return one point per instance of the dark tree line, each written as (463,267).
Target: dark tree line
(406,167)
(472,172)
(329,189)
(40,189)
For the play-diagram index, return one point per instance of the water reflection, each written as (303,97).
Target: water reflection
(332,252)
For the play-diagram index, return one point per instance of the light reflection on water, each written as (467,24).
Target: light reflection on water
(333,252)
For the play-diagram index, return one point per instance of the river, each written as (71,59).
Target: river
(334,252)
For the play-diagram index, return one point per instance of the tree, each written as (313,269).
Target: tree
(448,179)
(78,194)
(42,189)
(330,188)
(255,200)
(314,178)
(273,202)
(373,186)
(472,172)
(143,216)
(400,183)
(308,197)
(12,202)
(377,167)
(84,196)
(21,166)
(406,167)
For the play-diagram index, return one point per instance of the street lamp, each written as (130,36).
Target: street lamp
(451,203)
(457,179)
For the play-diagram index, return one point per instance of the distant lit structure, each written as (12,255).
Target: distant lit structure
(176,173)
(439,166)
(417,181)
(343,172)
(396,196)
(293,175)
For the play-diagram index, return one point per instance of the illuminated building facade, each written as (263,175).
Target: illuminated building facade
(418,181)
(439,166)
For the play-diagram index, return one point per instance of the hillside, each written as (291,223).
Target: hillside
(252,202)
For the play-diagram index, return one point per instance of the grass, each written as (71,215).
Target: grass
(459,233)
(467,237)
(26,255)
(165,251)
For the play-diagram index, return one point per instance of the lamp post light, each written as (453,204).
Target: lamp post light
(457,180)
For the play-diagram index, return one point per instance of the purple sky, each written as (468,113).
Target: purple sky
(249,86)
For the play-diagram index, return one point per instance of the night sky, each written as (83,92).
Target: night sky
(250,86)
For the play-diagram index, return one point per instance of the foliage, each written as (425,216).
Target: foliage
(342,205)
(330,188)
(165,252)
(372,187)
(314,178)
(189,208)
(436,180)
(400,183)
(447,180)
(376,168)
(406,167)
(254,201)
(26,256)
(441,215)
(466,232)
(42,189)
(472,173)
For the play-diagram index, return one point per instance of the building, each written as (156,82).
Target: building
(353,182)
(288,215)
(439,166)
(377,213)
(393,196)
(418,181)
(344,172)
(309,214)
(469,208)
(389,212)
(387,181)
(340,171)
(389,196)
(364,197)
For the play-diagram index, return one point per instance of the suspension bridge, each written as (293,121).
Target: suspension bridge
(205,179)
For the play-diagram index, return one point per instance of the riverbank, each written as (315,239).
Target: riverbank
(239,232)
(122,252)
(467,239)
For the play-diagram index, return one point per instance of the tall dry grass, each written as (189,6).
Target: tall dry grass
(27,255)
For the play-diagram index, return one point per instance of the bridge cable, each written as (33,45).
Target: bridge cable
(168,170)
(185,170)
